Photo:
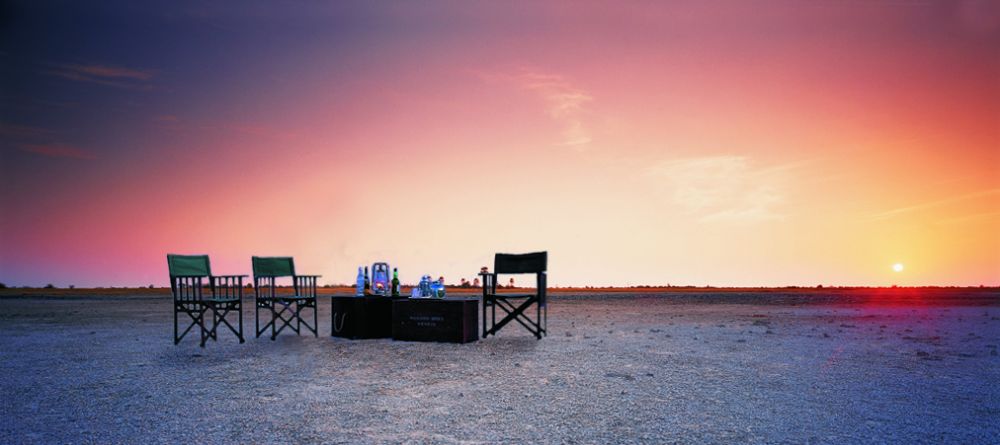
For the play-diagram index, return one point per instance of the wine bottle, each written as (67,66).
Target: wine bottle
(368,284)
(395,282)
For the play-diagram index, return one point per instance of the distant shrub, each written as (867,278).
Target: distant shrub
(3,286)
(72,286)
(150,286)
(49,286)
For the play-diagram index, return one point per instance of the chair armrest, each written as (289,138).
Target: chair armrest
(305,285)
(227,285)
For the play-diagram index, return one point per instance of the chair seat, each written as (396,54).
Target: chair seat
(216,300)
(288,298)
(511,295)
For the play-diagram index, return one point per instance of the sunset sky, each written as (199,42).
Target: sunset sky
(692,143)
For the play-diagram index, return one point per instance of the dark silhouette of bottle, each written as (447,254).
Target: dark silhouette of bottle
(395,282)
(368,284)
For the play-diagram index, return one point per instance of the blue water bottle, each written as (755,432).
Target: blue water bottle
(360,290)
(425,286)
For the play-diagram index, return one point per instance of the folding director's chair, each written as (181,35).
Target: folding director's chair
(534,263)
(187,274)
(285,309)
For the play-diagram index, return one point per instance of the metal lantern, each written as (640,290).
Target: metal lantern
(381,279)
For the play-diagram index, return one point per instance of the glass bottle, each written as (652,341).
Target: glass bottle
(425,286)
(368,284)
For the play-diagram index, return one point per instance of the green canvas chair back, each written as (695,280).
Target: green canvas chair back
(275,266)
(188,265)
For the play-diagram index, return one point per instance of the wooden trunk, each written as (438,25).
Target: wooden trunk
(361,317)
(445,320)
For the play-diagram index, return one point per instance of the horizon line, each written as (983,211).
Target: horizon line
(585,287)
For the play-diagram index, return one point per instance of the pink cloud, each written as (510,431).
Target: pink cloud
(105,75)
(110,71)
(564,102)
(58,151)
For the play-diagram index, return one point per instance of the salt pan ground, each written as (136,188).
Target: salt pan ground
(622,368)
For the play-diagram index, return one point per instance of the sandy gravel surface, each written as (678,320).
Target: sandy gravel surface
(622,369)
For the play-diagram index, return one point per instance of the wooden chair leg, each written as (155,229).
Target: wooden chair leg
(201,324)
(274,321)
(239,307)
(176,340)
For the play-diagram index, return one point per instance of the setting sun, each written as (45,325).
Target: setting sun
(898,267)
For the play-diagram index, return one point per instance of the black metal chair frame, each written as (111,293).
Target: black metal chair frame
(187,295)
(535,263)
(267,297)
(189,298)
(227,296)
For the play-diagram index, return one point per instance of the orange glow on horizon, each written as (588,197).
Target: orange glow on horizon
(763,145)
